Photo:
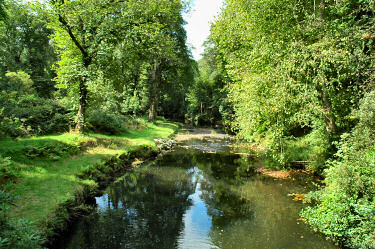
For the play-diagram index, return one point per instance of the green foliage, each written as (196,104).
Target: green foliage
(19,233)
(12,127)
(207,97)
(24,113)
(346,205)
(31,115)
(142,152)
(19,83)
(103,172)
(3,14)
(50,151)
(41,116)
(297,71)
(121,57)
(8,170)
(295,66)
(308,151)
(43,150)
(25,46)
(105,122)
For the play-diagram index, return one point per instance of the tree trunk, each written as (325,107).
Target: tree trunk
(81,116)
(154,92)
(86,59)
(326,103)
(322,9)
(327,109)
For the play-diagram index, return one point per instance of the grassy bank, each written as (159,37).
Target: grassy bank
(43,172)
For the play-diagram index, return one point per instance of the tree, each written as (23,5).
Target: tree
(25,45)
(295,66)
(84,29)
(299,71)
(168,50)
(94,38)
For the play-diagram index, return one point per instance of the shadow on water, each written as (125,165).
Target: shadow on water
(191,199)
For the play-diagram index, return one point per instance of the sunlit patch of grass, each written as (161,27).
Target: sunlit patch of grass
(40,190)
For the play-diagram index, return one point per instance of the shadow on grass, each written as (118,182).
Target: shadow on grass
(31,151)
(51,149)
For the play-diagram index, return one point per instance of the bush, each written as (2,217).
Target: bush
(8,170)
(24,113)
(16,234)
(108,123)
(31,115)
(143,152)
(312,148)
(12,127)
(346,205)
(41,116)
(50,151)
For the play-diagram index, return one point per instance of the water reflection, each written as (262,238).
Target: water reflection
(143,210)
(191,199)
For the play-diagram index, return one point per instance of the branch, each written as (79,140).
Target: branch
(86,56)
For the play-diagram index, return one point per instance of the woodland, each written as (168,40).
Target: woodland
(294,77)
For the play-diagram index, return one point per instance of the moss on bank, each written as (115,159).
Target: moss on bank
(55,176)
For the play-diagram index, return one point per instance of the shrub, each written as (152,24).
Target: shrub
(31,115)
(12,127)
(41,116)
(103,122)
(346,205)
(24,113)
(143,152)
(312,148)
(50,151)
(8,170)
(16,234)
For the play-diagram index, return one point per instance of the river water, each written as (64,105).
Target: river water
(201,195)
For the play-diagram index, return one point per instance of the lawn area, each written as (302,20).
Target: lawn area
(47,171)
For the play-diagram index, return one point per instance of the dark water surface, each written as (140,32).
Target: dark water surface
(192,199)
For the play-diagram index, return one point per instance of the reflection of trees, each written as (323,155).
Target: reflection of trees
(146,212)
(222,204)
(222,173)
(227,166)
(145,209)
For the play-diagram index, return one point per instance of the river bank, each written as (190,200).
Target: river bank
(57,176)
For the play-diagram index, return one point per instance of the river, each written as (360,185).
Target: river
(201,195)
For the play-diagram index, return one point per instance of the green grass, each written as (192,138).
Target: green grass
(43,183)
